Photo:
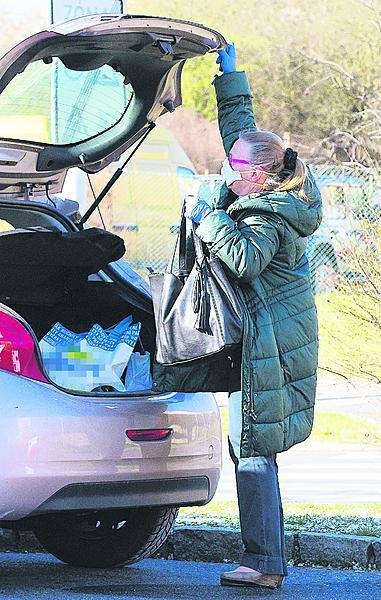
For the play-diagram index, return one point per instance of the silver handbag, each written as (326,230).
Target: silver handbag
(197,314)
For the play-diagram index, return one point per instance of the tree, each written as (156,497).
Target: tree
(289,51)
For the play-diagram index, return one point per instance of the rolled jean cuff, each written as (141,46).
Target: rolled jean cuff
(269,565)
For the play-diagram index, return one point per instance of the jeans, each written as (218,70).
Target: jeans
(259,501)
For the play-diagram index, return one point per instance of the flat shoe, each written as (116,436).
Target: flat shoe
(248,579)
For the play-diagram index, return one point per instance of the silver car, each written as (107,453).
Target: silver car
(98,476)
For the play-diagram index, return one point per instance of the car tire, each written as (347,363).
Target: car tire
(103,539)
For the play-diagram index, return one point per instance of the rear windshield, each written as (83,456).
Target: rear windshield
(52,104)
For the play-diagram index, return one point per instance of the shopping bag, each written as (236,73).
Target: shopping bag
(138,375)
(89,360)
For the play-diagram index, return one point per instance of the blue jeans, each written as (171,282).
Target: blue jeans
(259,501)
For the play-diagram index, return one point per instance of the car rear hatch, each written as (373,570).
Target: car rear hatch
(84,91)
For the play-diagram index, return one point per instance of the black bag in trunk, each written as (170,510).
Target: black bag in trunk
(39,266)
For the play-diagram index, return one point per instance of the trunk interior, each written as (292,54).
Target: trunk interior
(92,301)
(96,302)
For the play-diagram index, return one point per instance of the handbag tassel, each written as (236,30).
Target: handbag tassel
(202,321)
(201,304)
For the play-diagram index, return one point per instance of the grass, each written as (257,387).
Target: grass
(349,341)
(333,427)
(350,519)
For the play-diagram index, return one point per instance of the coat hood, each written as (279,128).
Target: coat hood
(303,215)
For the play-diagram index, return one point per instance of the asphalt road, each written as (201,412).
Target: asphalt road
(27,576)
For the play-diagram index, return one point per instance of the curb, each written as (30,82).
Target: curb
(212,544)
(220,544)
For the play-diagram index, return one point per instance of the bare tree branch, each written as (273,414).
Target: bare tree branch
(316,83)
(372,375)
(329,63)
(370,6)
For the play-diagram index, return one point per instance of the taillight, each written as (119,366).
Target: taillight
(148,435)
(17,349)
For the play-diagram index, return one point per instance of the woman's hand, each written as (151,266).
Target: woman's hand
(196,209)
(227,59)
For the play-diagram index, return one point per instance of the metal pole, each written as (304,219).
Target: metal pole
(113,179)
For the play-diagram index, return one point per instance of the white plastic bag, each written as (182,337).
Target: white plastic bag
(138,376)
(85,361)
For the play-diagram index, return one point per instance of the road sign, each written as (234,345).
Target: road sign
(62,10)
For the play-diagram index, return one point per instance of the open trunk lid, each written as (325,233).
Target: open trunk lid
(93,86)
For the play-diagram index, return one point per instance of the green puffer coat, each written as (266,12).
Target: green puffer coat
(261,239)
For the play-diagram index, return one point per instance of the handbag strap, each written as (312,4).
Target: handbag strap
(180,247)
(183,244)
(198,247)
(139,345)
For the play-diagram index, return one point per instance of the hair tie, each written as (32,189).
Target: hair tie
(289,161)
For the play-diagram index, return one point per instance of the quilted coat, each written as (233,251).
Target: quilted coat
(261,240)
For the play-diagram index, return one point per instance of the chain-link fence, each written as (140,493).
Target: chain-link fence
(344,255)
(343,251)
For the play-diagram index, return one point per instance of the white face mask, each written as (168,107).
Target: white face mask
(228,174)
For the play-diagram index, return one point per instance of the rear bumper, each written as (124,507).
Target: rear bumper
(127,494)
(64,452)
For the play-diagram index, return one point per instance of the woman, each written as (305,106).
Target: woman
(268,207)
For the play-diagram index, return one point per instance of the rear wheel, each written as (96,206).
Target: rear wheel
(105,539)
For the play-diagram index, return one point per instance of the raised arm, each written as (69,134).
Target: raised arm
(234,106)
(234,98)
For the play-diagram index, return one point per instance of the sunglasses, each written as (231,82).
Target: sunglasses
(240,164)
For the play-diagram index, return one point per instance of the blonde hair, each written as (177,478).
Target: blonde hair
(268,150)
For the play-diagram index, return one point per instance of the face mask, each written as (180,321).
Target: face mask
(231,175)
(228,174)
